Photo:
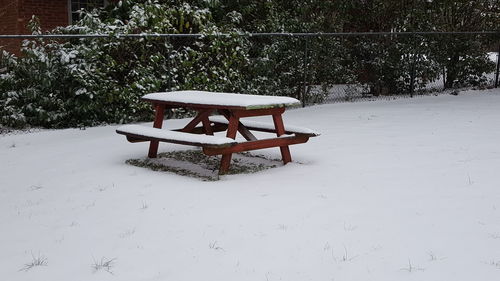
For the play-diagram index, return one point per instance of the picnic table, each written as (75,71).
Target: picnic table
(232,108)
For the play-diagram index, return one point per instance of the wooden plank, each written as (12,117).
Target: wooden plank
(258,144)
(207,128)
(231,133)
(267,128)
(253,128)
(244,131)
(135,132)
(135,140)
(257,112)
(202,115)
(149,138)
(201,130)
(193,105)
(280,130)
(158,123)
(226,113)
(204,99)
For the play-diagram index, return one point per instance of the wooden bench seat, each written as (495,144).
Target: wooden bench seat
(138,133)
(265,127)
(212,145)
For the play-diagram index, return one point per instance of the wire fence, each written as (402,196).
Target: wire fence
(341,67)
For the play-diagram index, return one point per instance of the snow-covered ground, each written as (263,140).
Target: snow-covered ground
(391,190)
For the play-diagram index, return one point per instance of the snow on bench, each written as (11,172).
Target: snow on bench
(266,127)
(137,132)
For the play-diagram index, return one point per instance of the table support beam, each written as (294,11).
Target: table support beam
(280,130)
(258,112)
(231,133)
(258,144)
(244,131)
(201,117)
(158,123)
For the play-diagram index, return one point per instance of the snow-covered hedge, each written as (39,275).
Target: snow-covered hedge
(82,82)
(89,81)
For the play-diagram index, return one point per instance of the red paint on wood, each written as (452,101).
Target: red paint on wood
(231,133)
(138,138)
(258,144)
(202,114)
(207,128)
(158,123)
(258,112)
(280,130)
(241,128)
(198,106)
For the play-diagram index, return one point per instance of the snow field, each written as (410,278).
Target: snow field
(391,190)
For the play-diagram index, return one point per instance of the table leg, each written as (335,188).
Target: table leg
(280,130)
(231,133)
(242,129)
(207,126)
(158,123)
(201,117)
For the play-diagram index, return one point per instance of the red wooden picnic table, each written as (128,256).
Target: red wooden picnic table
(233,108)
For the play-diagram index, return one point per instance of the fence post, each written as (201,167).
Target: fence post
(414,53)
(412,76)
(304,92)
(170,45)
(498,67)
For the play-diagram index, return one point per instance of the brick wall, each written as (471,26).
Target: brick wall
(8,24)
(15,15)
(52,13)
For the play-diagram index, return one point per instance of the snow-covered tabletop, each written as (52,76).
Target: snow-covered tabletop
(217,100)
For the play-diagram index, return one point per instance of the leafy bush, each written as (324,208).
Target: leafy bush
(88,81)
